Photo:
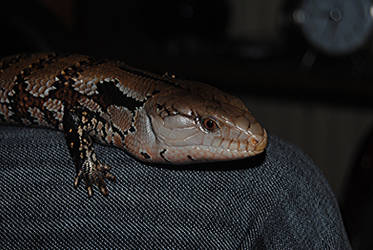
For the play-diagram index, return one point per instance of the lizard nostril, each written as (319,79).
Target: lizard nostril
(260,146)
(254,141)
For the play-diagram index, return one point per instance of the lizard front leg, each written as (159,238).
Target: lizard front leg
(78,124)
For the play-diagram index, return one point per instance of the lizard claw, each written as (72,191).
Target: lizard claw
(94,175)
(110,177)
(90,191)
(78,178)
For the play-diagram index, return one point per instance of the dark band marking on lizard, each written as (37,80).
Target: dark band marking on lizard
(147,75)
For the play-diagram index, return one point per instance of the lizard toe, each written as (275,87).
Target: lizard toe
(95,175)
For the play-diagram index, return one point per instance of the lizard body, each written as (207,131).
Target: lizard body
(157,119)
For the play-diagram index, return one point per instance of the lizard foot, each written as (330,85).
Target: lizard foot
(94,173)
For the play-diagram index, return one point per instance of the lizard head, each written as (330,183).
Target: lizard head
(195,128)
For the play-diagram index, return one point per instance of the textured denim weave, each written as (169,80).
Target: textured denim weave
(282,202)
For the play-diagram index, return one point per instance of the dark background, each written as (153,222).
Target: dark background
(307,78)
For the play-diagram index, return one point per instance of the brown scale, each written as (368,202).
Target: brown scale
(110,70)
(68,95)
(121,117)
(7,76)
(13,74)
(149,82)
(89,104)
(39,117)
(38,79)
(132,139)
(23,101)
(4,110)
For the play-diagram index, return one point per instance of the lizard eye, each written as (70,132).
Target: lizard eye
(209,124)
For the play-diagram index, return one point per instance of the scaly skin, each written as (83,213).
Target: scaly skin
(156,119)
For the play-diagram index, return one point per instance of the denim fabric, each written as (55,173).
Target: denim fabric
(280,201)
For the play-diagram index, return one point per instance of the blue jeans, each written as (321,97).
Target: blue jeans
(278,200)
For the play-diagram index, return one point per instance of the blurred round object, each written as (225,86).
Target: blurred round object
(335,27)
